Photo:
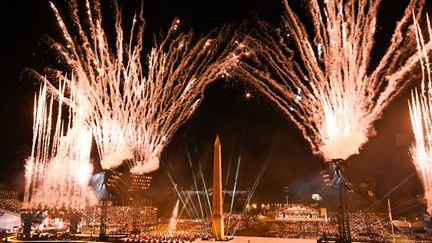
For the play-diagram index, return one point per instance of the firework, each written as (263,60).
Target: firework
(59,168)
(134,108)
(420,107)
(325,84)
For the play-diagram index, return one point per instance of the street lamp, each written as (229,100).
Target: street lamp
(286,190)
(316,198)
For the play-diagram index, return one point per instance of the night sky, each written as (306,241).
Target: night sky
(248,127)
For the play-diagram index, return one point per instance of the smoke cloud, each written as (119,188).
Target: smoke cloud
(343,146)
(115,159)
(146,167)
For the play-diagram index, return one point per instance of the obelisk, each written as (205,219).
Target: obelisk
(218,223)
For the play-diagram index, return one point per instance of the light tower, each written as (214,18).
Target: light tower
(286,190)
(341,182)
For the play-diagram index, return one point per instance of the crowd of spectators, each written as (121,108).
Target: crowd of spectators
(369,227)
(120,219)
(302,229)
(173,237)
(238,222)
(364,227)
(13,205)
(145,227)
(9,200)
(187,231)
(418,237)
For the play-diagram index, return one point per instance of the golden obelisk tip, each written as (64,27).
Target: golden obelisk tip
(217,142)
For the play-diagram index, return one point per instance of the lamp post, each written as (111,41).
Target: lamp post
(286,190)
(317,198)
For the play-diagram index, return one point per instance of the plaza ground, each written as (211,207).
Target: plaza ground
(252,239)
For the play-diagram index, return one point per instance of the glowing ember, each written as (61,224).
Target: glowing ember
(134,109)
(420,107)
(324,85)
(58,170)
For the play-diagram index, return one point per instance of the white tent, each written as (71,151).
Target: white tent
(9,222)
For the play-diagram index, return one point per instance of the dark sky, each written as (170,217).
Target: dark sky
(252,128)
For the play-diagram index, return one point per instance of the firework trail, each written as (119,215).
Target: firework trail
(59,169)
(135,107)
(326,84)
(420,107)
